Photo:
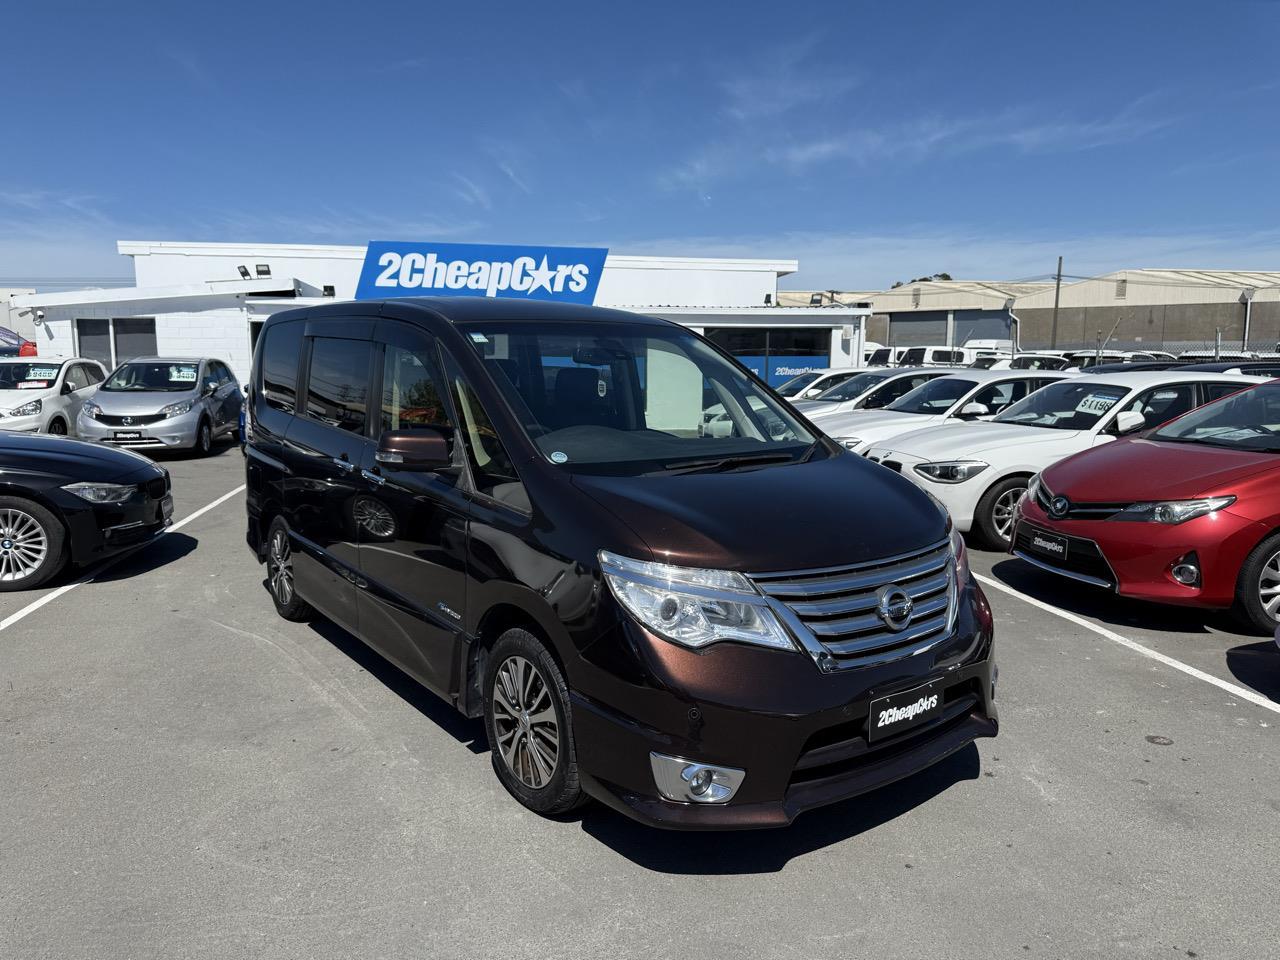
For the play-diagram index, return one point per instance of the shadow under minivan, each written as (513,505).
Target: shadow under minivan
(521,505)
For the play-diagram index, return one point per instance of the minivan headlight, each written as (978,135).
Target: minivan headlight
(1173,511)
(91,410)
(176,409)
(27,409)
(691,606)
(951,471)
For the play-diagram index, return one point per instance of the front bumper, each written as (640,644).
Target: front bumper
(1137,558)
(29,424)
(800,735)
(102,530)
(177,433)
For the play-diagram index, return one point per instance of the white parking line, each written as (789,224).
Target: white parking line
(66,588)
(1236,691)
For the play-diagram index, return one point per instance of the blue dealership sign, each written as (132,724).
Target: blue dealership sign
(564,274)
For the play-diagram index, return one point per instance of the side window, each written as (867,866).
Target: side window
(1216,391)
(1163,403)
(92,373)
(893,390)
(76,378)
(998,396)
(338,382)
(411,390)
(278,362)
(491,467)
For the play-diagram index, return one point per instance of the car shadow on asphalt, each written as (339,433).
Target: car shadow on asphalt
(468,732)
(768,851)
(1100,604)
(145,558)
(1257,666)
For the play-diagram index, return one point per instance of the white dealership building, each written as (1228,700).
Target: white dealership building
(210,299)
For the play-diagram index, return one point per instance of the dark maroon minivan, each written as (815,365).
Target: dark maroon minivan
(659,585)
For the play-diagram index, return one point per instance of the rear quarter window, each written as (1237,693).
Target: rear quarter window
(281,346)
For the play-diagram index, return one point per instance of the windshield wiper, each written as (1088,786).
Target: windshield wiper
(726,463)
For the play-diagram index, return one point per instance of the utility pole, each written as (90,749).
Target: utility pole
(1057,292)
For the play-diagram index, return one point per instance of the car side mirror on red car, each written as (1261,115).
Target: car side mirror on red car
(423,449)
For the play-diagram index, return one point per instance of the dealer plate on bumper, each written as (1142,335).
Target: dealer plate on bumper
(893,714)
(166,507)
(1048,546)
(128,435)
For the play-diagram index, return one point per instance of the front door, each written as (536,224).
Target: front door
(324,447)
(412,525)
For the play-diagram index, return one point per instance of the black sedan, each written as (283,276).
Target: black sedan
(63,501)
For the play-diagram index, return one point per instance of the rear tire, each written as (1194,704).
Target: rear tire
(280,582)
(993,518)
(1258,587)
(33,544)
(527,720)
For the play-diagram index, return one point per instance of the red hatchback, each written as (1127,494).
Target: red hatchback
(1188,513)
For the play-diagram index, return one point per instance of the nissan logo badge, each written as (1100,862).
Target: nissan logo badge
(895,607)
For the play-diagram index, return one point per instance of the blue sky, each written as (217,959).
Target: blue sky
(872,141)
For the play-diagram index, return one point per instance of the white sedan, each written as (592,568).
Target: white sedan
(979,471)
(44,396)
(948,400)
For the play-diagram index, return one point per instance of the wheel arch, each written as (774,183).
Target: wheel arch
(503,615)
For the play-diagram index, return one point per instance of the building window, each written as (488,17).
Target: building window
(1122,289)
(776,356)
(112,342)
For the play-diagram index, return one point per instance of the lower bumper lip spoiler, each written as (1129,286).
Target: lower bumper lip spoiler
(1050,568)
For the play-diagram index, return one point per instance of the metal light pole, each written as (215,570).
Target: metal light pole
(1057,292)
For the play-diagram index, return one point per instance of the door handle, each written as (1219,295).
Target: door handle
(346,466)
(373,478)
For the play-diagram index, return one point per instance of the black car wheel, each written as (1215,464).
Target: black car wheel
(58,427)
(1258,587)
(204,439)
(993,517)
(32,544)
(280,583)
(526,711)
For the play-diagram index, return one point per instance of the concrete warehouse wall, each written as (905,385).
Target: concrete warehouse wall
(1155,324)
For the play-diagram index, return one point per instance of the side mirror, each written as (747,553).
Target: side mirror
(973,410)
(424,449)
(67,388)
(1128,421)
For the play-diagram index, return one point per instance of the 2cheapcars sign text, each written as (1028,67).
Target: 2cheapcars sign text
(565,274)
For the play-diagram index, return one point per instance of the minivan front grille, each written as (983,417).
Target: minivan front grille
(136,420)
(839,614)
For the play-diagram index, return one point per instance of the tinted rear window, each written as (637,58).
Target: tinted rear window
(279,362)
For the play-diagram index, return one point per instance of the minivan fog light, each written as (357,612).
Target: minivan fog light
(687,781)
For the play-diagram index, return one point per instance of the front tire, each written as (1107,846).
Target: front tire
(58,427)
(33,544)
(527,719)
(993,518)
(1258,587)
(204,439)
(280,582)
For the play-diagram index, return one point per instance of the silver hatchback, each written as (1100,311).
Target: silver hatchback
(180,403)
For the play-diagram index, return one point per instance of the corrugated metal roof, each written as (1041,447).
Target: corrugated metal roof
(1200,278)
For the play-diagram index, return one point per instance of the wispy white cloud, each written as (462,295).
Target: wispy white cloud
(470,192)
(782,80)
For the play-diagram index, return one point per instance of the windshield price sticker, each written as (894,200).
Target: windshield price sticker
(1095,403)
(42,373)
(182,374)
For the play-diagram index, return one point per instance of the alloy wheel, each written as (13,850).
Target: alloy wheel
(280,568)
(524,722)
(23,545)
(1002,513)
(1269,586)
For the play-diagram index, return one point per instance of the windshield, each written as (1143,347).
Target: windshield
(153,377)
(1065,405)
(936,396)
(853,387)
(1243,421)
(796,384)
(604,397)
(28,376)
(880,358)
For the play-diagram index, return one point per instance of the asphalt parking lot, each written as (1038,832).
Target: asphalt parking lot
(187,775)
